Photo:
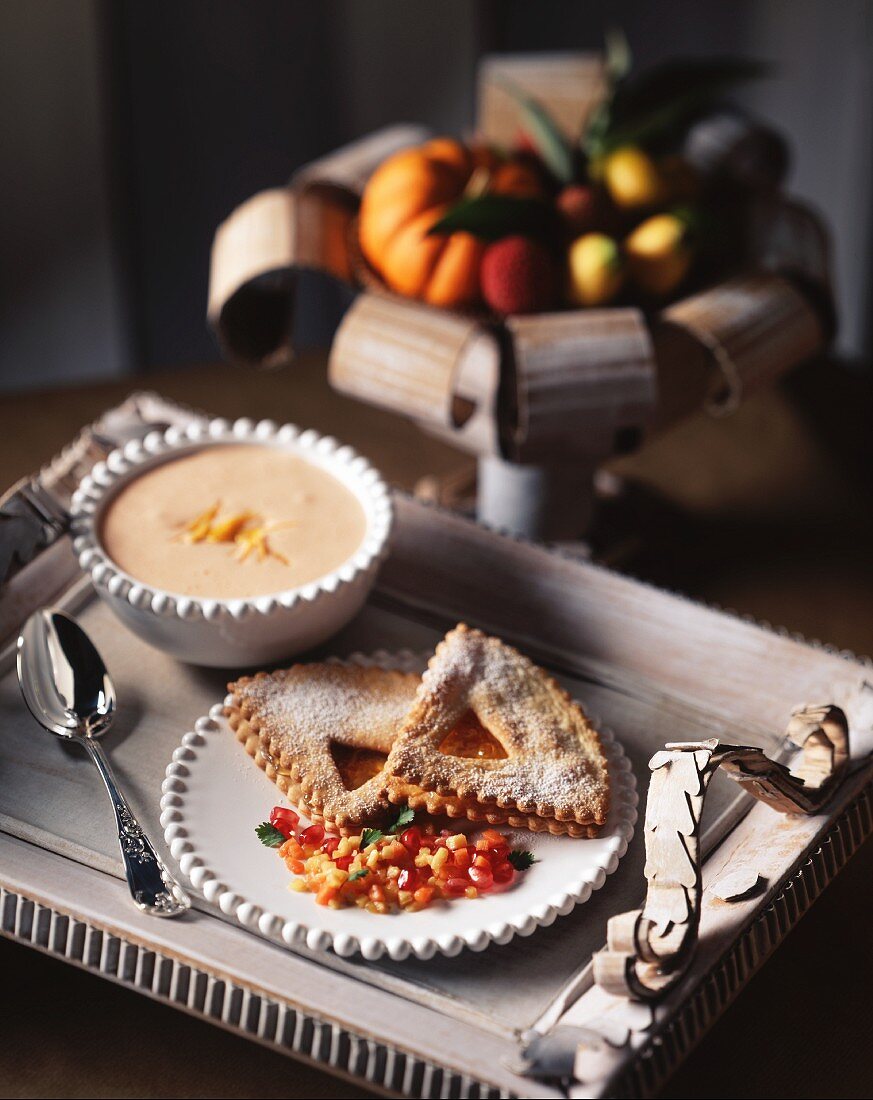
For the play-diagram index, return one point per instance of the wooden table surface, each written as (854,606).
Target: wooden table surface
(766,512)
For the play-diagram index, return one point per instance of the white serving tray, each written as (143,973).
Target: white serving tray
(656,668)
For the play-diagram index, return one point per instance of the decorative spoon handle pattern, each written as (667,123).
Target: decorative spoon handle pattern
(152,887)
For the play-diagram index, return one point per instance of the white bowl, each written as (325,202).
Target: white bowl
(239,632)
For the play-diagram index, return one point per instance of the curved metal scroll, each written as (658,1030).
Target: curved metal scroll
(649,949)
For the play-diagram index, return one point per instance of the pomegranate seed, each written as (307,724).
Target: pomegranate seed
(411,838)
(284,820)
(503,873)
(408,879)
(445,832)
(313,835)
(454,887)
(343,862)
(480,877)
(499,853)
(331,843)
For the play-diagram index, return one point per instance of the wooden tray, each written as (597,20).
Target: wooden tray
(656,667)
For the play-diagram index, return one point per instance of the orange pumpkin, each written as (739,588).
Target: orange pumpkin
(406,195)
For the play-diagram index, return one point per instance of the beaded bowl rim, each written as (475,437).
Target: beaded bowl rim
(125,463)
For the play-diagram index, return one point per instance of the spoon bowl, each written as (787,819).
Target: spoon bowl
(64,681)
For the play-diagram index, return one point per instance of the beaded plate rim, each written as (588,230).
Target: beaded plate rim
(291,933)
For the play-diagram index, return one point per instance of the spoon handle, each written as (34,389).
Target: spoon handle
(152,887)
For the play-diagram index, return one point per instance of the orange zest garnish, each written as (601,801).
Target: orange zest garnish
(246,530)
(228,530)
(254,539)
(198,529)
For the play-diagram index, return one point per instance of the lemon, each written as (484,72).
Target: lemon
(595,270)
(658,255)
(632,178)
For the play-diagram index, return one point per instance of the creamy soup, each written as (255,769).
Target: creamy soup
(232,521)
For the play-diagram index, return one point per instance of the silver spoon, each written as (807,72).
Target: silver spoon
(68,691)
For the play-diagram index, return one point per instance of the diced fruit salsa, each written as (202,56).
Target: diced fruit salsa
(405,868)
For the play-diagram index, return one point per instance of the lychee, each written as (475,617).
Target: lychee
(578,206)
(518,275)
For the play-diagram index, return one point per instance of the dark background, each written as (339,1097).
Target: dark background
(131,128)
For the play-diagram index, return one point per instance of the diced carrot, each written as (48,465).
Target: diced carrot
(326,894)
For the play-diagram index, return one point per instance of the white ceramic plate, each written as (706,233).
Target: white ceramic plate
(214,796)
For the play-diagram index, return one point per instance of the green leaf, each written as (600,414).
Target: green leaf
(521,859)
(269,835)
(618,65)
(681,81)
(541,128)
(618,55)
(491,217)
(404,818)
(371,836)
(647,108)
(355,875)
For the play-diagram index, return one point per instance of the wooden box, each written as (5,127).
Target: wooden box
(540,399)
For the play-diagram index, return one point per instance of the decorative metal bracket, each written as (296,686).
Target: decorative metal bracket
(649,949)
(30,520)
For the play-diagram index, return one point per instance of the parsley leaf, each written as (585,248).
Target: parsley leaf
(355,875)
(404,818)
(371,836)
(521,860)
(269,835)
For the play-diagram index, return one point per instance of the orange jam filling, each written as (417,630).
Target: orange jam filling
(356,765)
(470,739)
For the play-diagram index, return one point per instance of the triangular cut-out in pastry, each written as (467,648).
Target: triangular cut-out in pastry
(356,766)
(554,766)
(298,723)
(469,738)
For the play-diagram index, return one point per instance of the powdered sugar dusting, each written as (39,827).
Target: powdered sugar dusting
(555,765)
(365,707)
(298,712)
